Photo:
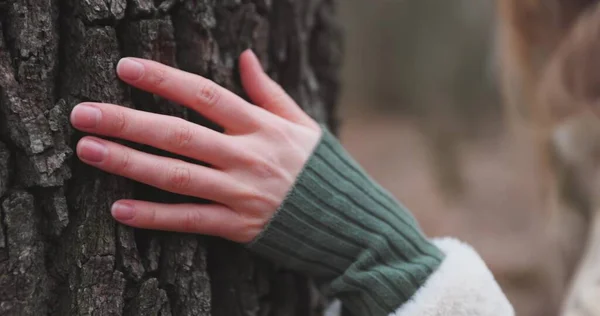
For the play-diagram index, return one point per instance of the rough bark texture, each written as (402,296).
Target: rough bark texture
(60,252)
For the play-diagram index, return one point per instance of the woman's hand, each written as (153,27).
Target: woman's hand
(254,163)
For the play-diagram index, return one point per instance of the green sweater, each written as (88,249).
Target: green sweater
(340,227)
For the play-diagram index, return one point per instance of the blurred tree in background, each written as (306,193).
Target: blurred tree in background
(422,113)
(427,59)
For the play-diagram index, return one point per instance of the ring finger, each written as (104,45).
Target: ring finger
(200,94)
(168,174)
(160,131)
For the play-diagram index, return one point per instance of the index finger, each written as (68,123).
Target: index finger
(200,94)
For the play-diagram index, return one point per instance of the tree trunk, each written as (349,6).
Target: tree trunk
(60,251)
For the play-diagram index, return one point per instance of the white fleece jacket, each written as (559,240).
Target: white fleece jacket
(462,286)
(339,225)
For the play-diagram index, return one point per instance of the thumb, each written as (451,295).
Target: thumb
(267,93)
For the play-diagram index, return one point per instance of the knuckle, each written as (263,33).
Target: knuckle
(119,124)
(245,227)
(192,221)
(152,218)
(243,157)
(259,200)
(178,178)
(157,77)
(181,135)
(124,163)
(280,133)
(264,168)
(208,94)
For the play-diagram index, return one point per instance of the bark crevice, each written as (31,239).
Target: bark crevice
(55,219)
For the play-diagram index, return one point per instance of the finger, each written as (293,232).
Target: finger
(267,93)
(161,131)
(164,173)
(200,94)
(207,219)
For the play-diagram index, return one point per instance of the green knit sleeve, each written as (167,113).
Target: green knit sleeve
(340,227)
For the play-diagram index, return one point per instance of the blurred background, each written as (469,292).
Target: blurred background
(421,112)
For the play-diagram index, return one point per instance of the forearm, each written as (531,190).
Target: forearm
(342,228)
(335,224)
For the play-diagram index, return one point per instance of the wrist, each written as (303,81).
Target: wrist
(339,226)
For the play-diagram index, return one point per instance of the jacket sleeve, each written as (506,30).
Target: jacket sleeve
(462,286)
(339,226)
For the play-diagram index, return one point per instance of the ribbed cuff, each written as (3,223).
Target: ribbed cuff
(339,226)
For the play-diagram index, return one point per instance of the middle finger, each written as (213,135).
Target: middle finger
(169,133)
(198,93)
(165,173)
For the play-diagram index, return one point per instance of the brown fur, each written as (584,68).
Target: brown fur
(550,61)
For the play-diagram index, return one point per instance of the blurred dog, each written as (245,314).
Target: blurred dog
(549,54)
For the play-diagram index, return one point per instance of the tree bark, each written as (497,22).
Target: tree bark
(60,251)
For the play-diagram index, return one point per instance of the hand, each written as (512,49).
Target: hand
(254,163)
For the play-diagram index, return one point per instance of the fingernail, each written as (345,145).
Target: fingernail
(91,150)
(130,69)
(122,212)
(85,116)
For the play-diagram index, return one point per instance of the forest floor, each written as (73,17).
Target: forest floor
(498,213)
